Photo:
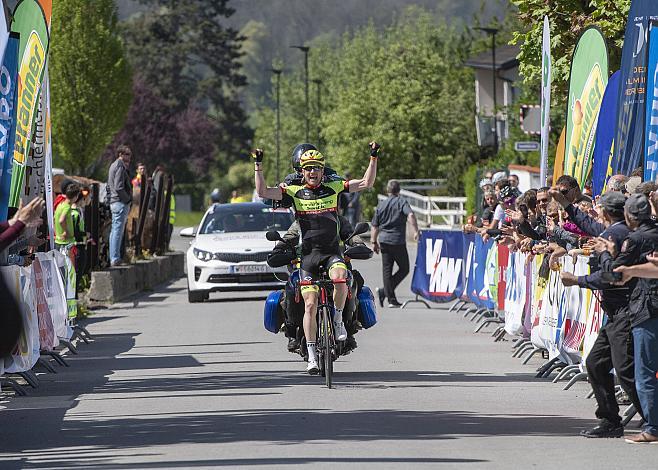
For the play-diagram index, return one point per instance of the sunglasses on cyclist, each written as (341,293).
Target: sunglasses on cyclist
(313,168)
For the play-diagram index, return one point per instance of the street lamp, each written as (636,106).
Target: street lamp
(318,82)
(493,32)
(277,72)
(305,50)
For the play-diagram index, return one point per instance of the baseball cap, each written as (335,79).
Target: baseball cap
(637,206)
(613,201)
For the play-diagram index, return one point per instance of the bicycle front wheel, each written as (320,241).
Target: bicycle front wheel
(326,337)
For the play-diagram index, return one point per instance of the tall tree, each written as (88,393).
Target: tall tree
(181,141)
(402,85)
(568,20)
(90,81)
(186,55)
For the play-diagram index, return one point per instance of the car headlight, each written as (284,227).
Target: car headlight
(203,255)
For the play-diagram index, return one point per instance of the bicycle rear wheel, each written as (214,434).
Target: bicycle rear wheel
(326,337)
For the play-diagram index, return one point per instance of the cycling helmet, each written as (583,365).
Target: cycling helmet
(312,158)
(297,154)
(214,196)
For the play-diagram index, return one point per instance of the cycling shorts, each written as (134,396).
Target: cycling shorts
(310,266)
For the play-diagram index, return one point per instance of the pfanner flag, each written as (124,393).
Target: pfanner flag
(8,85)
(651,129)
(587,82)
(629,136)
(31,22)
(605,135)
(545,100)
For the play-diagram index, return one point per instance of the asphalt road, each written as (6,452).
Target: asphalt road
(167,384)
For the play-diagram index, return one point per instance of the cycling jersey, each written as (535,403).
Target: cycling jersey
(316,210)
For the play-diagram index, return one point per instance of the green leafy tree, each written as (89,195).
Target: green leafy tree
(90,81)
(185,53)
(568,20)
(403,85)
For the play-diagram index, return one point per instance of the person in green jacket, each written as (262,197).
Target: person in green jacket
(64,228)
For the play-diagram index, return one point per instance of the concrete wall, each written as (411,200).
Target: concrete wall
(120,282)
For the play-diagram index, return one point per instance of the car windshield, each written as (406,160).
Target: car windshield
(252,218)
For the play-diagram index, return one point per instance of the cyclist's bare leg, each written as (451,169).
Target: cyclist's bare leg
(340,290)
(310,311)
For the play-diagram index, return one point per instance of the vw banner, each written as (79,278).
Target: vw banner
(438,273)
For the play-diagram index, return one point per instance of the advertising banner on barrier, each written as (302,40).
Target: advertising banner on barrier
(651,111)
(502,260)
(26,353)
(47,338)
(31,23)
(468,273)
(515,293)
(481,290)
(605,135)
(438,272)
(548,330)
(545,100)
(563,320)
(587,82)
(629,136)
(575,305)
(55,293)
(8,85)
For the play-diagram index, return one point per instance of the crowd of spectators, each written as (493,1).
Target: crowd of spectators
(618,231)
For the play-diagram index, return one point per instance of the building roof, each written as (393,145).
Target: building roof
(529,169)
(505,58)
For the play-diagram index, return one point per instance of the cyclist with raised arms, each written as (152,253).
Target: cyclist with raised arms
(316,209)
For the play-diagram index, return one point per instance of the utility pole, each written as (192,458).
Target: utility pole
(493,32)
(305,50)
(277,72)
(318,82)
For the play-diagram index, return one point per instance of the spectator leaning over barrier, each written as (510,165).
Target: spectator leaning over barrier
(611,348)
(29,214)
(119,196)
(641,241)
(388,236)
(645,339)
(642,312)
(617,183)
(488,211)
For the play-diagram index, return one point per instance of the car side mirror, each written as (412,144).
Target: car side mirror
(189,232)
(273,236)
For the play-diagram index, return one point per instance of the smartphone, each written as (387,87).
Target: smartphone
(610,277)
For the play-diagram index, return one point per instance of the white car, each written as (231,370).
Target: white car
(229,250)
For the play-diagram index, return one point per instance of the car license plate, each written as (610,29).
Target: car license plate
(249,268)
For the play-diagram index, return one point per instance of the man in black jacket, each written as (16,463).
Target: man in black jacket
(119,192)
(642,311)
(612,346)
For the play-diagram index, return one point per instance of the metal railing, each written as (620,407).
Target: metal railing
(422,184)
(434,211)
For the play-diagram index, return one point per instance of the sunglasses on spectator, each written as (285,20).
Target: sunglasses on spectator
(565,191)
